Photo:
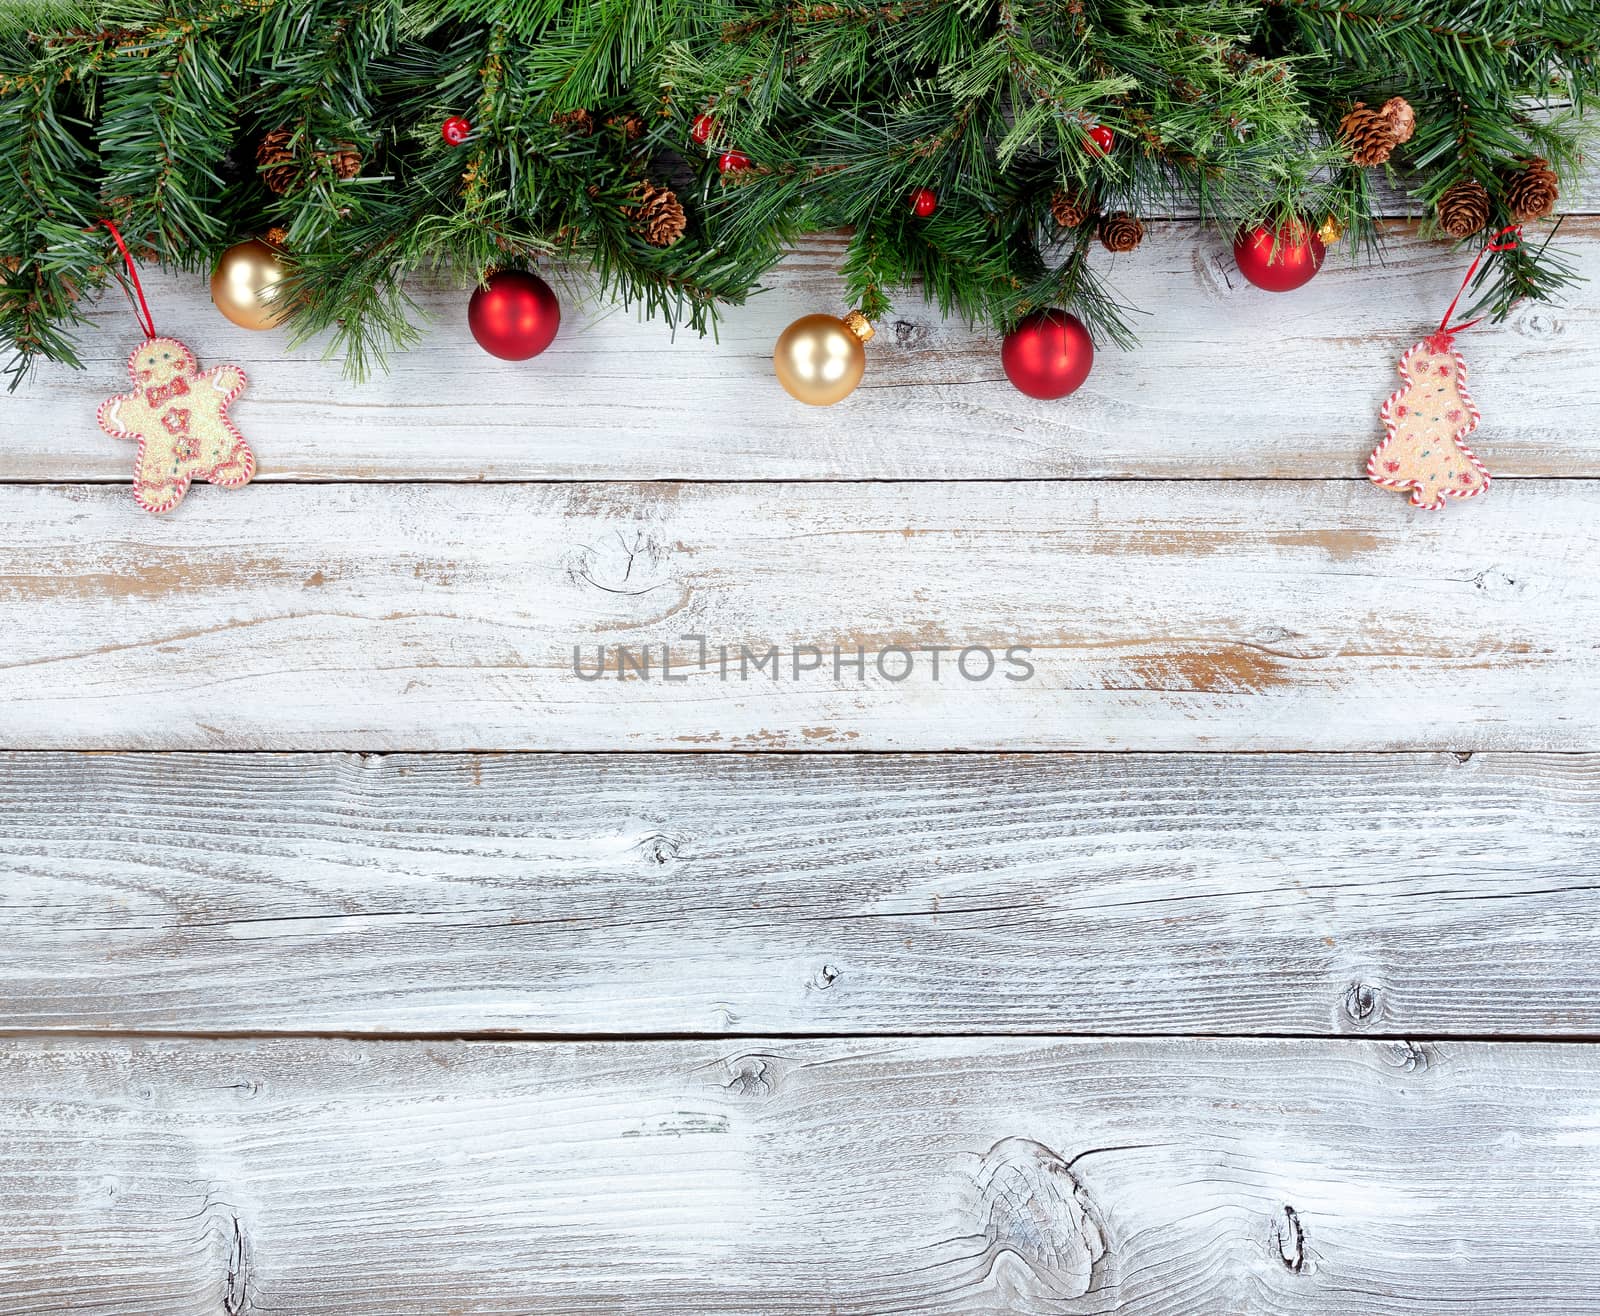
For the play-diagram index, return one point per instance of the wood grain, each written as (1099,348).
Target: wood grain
(1229,382)
(1183,616)
(862,1178)
(634,894)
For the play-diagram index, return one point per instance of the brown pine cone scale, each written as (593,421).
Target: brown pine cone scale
(1121,232)
(277,164)
(657,215)
(1367,135)
(1069,209)
(1533,192)
(1463,208)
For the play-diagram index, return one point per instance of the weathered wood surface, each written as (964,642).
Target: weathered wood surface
(634,894)
(1229,382)
(861,1178)
(1184,616)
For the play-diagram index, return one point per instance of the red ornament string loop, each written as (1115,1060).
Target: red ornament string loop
(1440,341)
(141,312)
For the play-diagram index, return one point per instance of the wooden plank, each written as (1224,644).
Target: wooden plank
(1229,382)
(861,1178)
(800,893)
(1184,616)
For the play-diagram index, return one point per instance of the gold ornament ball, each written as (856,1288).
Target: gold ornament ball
(1331,230)
(820,359)
(245,285)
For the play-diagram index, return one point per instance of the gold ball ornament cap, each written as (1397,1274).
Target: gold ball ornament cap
(1330,230)
(819,359)
(245,288)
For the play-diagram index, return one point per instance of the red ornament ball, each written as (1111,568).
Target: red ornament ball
(733,162)
(1048,355)
(924,201)
(514,315)
(1101,140)
(1279,259)
(455,130)
(702,128)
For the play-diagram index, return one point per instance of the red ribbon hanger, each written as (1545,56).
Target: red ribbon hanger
(141,310)
(1441,339)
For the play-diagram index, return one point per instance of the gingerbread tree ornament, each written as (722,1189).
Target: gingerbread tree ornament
(1427,419)
(179,415)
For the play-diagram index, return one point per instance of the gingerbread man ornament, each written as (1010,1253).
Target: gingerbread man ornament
(180,417)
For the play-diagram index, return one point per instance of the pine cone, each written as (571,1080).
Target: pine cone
(1463,208)
(277,236)
(1121,232)
(1367,136)
(658,217)
(581,122)
(276,161)
(1069,209)
(346,160)
(631,126)
(1533,192)
(1402,118)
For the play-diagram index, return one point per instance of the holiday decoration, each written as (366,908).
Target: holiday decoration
(1120,232)
(1330,230)
(514,315)
(1533,191)
(578,122)
(924,201)
(657,215)
(1279,259)
(820,359)
(1426,420)
(819,117)
(245,285)
(1069,209)
(1048,355)
(180,418)
(1367,135)
(1402,119)
(1463,209)
(178,414)
(275,161)
(280,171)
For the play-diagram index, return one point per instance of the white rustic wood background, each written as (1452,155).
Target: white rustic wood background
(1243,961)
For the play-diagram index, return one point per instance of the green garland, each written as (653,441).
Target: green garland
(153,113)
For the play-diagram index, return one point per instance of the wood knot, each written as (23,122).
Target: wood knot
(1289,1239)
(628,562)
(659,847)
(236,1299)
(1042,1230)
(753,1076)
(1361,1002)
(823,978)
(907,333)
(1407,1057)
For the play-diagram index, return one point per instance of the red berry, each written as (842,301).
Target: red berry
(455,129)
(732,162)
(1101,140)
(924,201)
(702,129)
